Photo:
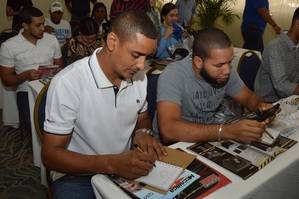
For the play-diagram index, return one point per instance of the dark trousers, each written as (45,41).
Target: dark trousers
(24,112)
(253,38)
(73,187)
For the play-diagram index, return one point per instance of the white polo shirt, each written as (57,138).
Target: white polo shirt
(23,55)
(81,101)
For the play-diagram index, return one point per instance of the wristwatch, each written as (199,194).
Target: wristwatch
(145,130)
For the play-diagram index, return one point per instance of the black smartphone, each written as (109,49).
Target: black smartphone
(268,113)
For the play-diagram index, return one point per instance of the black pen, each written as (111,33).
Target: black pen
(269,134)
(140,150)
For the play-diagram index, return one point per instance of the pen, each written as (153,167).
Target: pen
(140,150)
(269,134)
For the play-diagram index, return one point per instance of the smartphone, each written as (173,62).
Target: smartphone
(268,113)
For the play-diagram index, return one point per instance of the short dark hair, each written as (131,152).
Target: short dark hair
(28,13)
(166,9)
(128,23)
(88,26)
(97,6)
(295,15)
(207,39)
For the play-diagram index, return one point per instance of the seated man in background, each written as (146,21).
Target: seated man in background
(191,92)
(56,25)
(278,75)
(96,109)
(21,56)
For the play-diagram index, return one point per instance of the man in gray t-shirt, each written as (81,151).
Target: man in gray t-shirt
(191,92)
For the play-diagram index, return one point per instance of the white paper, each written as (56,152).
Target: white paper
(162,176)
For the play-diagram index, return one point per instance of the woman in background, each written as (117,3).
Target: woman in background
(99,14)
(85,43)
(170,31)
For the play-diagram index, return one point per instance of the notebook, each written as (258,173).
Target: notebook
(162,176)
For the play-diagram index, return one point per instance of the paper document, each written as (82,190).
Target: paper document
(162,176)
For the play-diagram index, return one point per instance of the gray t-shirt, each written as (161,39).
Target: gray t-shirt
(199,101)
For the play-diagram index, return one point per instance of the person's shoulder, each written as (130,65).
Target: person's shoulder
(49,37)
(64,22)
(178,68)
(273,44)
(73,72)
(13,41)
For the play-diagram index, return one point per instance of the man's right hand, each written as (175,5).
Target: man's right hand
(246,130)
(49,29)
(132,164)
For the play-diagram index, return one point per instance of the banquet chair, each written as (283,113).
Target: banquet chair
(248,67)
(39,118)
(152,80)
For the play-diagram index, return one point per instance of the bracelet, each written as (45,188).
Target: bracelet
(145,130)
(219,132)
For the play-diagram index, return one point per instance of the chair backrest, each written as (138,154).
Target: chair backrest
(248,66)
(152,80)
(39,111)
(6,34)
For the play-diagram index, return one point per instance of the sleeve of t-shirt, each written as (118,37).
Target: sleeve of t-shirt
(170,85)
(260,4)
(61,107)
(234,84)
(6,57)
(57,50)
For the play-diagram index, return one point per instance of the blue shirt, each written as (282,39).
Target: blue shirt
(163,50)
(251,15)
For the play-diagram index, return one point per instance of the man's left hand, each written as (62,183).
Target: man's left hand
(149,144)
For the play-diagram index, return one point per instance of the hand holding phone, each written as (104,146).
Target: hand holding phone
(262,116)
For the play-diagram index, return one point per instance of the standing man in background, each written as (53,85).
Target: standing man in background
(186,11)
(13,8)
(79,9)
(256,15)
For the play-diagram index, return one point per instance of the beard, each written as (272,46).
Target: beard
(210,80)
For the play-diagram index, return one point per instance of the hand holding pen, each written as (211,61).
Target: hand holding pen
(140,150)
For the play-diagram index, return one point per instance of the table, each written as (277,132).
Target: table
(10,113)
(279,179)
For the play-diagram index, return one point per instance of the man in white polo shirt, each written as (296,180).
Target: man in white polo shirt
(96,110)
(20,57)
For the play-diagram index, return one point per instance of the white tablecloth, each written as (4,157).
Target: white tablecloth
(35,88)
(279,179)
(8,101)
